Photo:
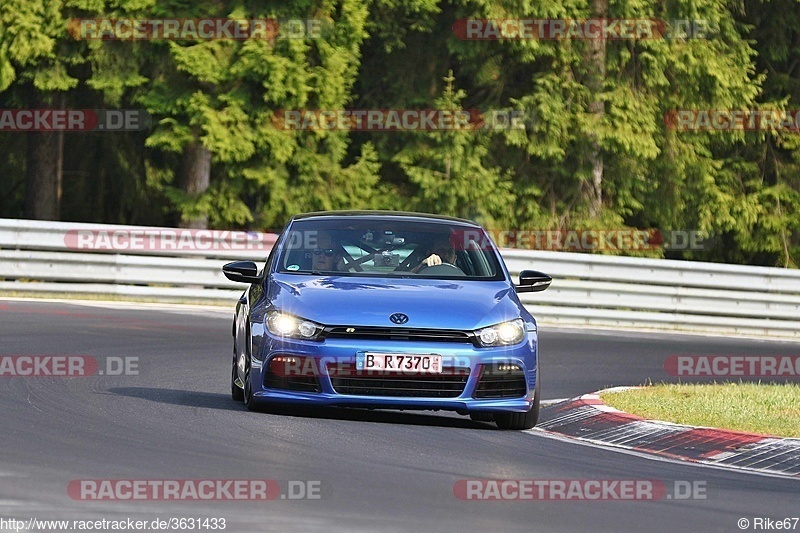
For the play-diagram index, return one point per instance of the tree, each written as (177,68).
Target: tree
(35,55)
(218,99)
(449,168)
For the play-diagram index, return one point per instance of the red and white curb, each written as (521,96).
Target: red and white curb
(587,418)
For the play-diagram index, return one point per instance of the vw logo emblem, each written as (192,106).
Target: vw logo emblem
(399,318)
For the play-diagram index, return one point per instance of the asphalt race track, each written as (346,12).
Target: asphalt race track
(374,470)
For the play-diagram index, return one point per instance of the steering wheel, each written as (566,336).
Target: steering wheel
(446,269)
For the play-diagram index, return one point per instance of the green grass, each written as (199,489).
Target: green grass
(751,407)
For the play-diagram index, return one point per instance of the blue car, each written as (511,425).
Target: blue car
(387,310)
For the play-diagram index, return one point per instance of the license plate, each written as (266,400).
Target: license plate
(396,362)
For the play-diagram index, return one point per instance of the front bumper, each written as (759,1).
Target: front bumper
(461,357)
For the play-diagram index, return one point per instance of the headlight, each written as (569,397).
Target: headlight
(284,325)
(502,334)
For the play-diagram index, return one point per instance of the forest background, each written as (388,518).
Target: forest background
(594,145)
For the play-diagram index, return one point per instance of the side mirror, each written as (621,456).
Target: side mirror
(242,271)
(533,281)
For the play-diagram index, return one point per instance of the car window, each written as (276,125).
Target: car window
(390,247)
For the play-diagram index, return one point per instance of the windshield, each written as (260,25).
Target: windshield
(388,247)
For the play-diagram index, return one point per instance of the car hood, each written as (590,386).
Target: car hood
(364,301)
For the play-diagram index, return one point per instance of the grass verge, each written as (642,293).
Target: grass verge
(772,409)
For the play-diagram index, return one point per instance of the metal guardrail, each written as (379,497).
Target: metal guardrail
(663,294)
(591,290)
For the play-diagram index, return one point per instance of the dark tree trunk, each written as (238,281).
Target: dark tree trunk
(43,168)
(597,75)
(43,179)
(595,189)
(195,179)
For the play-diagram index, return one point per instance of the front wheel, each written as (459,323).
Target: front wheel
(520,420)
(249,401)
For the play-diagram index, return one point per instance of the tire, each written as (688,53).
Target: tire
(519,421)
(249,401)
(237,393)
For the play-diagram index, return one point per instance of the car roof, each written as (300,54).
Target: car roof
(384,214)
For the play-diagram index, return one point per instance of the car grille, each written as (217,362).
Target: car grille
(449,384)
(403,334)
(501,381)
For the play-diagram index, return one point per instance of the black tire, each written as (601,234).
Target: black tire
(237,393)
(519,421)
(249,401)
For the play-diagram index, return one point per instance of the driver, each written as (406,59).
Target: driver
(441,252)
(327,255)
